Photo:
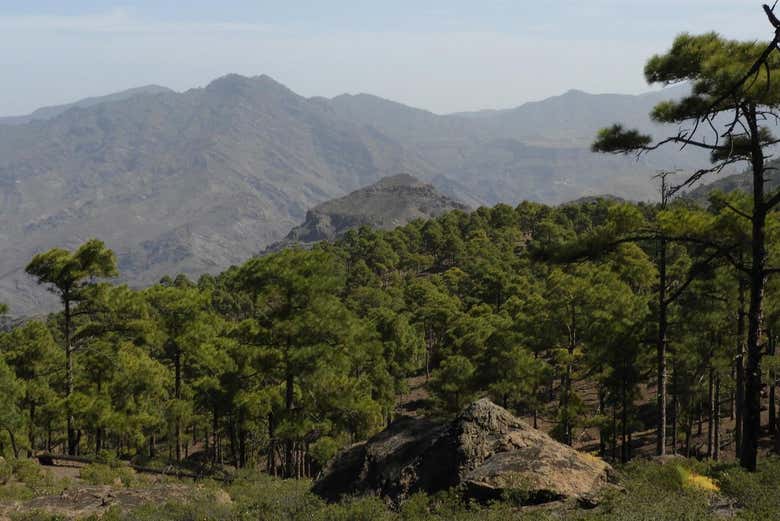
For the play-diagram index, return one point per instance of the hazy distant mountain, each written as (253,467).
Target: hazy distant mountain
(391,202)
(196,181)
(538,151)
(56,110)
(190,182)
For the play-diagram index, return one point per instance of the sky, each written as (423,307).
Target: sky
(441,55)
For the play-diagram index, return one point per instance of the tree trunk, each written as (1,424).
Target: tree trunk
(688,432)
(177,395)
(14,447)
(752,421)
(242,458)
(716,450)
(675,409)
(271,464)
(31,430)
(711,415)
(215,428)
(660,435)
(624,426)
(69,377)
(772,386)
(289,396)
(777,434)
(428,350)
(233,441)
(739,362)
(566,383)
(614,432)
(602,430)
(98,441)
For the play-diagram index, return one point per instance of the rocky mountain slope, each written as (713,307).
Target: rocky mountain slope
(55,110)
(391,202)
(196,181)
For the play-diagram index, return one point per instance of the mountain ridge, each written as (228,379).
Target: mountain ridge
(192,182)
(52,111)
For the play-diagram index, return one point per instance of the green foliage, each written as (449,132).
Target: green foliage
(28,471)
(67,272)
(288,358)
(6,471)
(102,474)
(453,384)
(616,139)
(756,491)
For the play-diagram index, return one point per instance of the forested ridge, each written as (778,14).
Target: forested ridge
(284,360)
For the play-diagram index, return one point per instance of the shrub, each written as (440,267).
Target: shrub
(101,474)
(30,473)
(6,471)
(757,493)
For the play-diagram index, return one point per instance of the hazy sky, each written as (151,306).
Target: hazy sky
(442,55)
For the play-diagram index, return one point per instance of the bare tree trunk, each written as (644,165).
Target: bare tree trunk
(602,433)
(716,453)
(660,436)
(566,383)
(772,386)
(624,426)
(14,447)
(661,341)
(688,432)
(31,429)
(711,414)
(675,409)
(177,394)
(288,463)
(69,377)
(739,362)
(755,341)
(614,432)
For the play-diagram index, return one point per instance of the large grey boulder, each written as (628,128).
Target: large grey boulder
(486,451)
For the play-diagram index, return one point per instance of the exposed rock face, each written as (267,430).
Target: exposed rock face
(486,450)
(92,502)
(391,202)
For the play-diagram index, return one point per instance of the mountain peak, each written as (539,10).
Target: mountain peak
(398,180)
(390,202)
(575,92)
(229,83)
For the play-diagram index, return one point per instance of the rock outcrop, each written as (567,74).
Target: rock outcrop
(486,451)
(391,202)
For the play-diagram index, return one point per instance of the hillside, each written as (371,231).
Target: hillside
(742,181)
(196,181)
(44,113)
(391,202)
(190,182)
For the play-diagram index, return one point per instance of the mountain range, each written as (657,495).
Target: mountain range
(193,182)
